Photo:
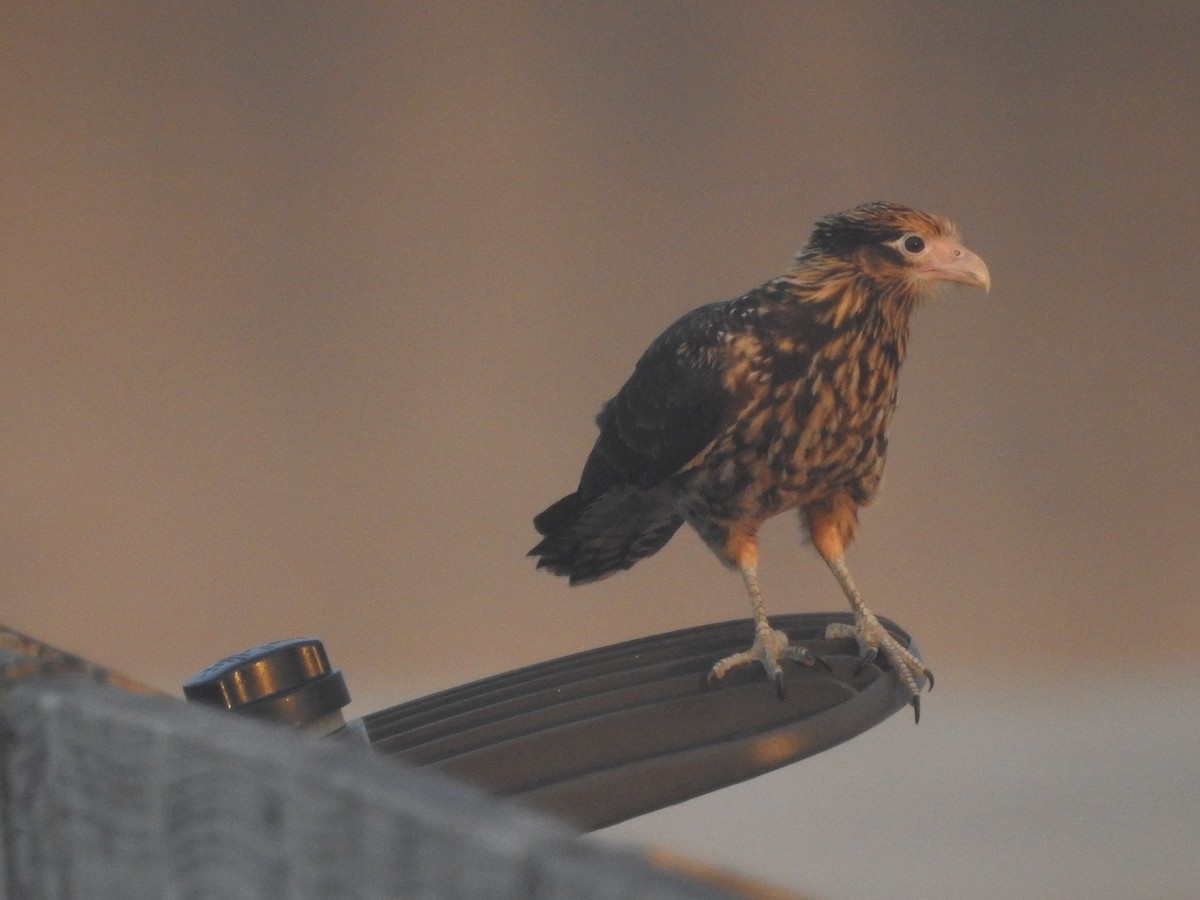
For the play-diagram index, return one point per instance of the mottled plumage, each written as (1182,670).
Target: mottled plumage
(777,400)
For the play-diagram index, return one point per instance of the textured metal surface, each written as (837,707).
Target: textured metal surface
(108,795)
(615,732)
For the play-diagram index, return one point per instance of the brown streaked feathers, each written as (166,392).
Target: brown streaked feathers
(777,400)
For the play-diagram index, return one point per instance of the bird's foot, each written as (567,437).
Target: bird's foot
(873,637)
(769,648)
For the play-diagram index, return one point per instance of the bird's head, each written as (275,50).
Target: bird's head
(890,243)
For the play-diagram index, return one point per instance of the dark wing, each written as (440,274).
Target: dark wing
(673,405)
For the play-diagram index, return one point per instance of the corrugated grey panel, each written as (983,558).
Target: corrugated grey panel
(114,796)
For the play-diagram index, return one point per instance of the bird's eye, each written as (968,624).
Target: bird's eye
(914,243)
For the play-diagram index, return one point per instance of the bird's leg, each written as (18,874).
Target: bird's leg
(873,637)
(770,645)
(831,526)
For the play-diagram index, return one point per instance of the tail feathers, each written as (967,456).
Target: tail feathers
(558,514)
(592,539)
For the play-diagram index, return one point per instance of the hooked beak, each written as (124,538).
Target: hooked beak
(948,260)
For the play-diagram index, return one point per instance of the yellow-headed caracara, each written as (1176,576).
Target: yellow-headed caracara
(777,400)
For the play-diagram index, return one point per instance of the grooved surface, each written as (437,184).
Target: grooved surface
(111,796)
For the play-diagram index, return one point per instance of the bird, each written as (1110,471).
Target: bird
(777,400)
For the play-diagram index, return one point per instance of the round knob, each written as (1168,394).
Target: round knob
(289,681)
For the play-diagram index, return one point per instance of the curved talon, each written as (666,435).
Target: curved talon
(915,702)
(769,648)
(801,656)
(929,675)
(780,692)
(865,659)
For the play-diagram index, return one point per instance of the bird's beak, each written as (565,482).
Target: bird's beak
(949,260)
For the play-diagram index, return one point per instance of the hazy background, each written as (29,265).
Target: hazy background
(307,309)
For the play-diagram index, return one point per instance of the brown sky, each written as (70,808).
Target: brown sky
(308,308)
